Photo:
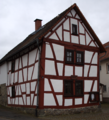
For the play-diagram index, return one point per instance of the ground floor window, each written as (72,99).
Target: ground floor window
(73,88)
(13,91)
(94,97)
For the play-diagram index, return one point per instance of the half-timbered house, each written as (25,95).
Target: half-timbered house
(57,66)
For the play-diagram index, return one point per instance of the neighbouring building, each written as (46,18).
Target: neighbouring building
(104,72)
(56,66)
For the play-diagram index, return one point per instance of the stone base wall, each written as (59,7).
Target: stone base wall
(46,112)
(3,94)
(55,112)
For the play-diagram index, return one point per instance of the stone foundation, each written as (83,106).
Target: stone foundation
(55,112)
(3,94)
(46,112)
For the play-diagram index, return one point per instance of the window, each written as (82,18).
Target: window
(94,97)
(13,91)
(73,88)
(68,88)
(13,66)
(104,88)
(79,88)
(107,66)
(79,57)
(100,67)
(69,56)
(74,29)
(0,91)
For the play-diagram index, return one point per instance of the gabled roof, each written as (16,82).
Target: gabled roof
(105,56)
(41,32)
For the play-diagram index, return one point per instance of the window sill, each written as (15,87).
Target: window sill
(74,34)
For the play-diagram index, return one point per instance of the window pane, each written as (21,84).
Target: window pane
(68,59)
(78,88)
(78,59)
(68,53)
(68,88)
(78,55)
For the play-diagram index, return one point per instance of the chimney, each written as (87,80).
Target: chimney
(38,24)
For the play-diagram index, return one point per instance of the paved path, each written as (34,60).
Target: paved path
(9,114)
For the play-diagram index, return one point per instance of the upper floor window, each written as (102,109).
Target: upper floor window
(13,66)
(80,57)
(69,55)
(74,29)
(71,58)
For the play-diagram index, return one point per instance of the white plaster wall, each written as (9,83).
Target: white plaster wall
(69,14)
(3,73)
(54,36)
(48,53)
(20,76)
(95,58)
(49,99)
(59,32)
(50,67)
(20,101)
(27,88)
(68,102)
(59,51)
(68,70)
(86,98)
(87,85)
(60,68)
(16,76)
(24,98)
(23,87)
(46,85)
(32,95)
(73,12)
(33,85)
(93,71)
(66,36)
(35,101)
(92,44)
(9,66)
(88,39)
(82,39)
(88,56)
(81,29)
(28,100)
(25,74)
(95,86)
(32,56)
(57,85)
(35,73)
(78,71)
(24,60)
(30,69)
(78,101)
(86,68)
(66,24)
(16,64)
(59,98)
(74,39)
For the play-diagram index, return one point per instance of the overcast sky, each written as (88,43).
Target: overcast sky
(17,18)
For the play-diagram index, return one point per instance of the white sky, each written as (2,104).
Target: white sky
(17,18)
